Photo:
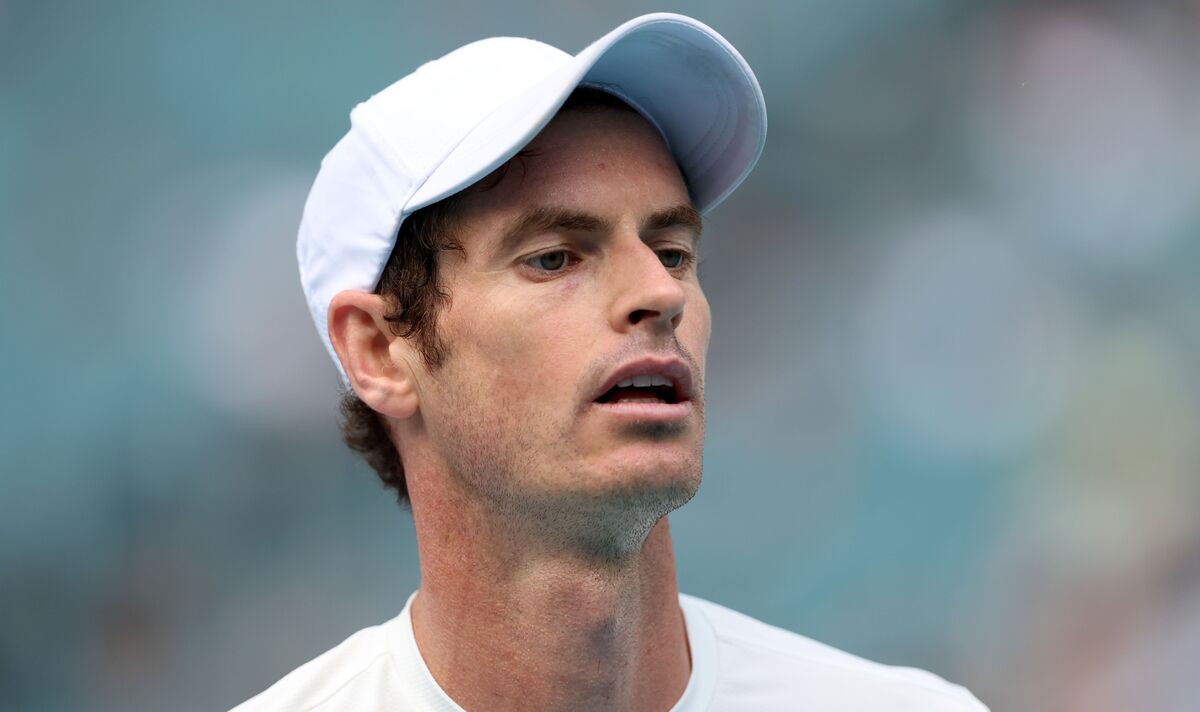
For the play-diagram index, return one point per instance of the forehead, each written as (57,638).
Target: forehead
(606,161)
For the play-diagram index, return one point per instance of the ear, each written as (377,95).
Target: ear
(363,340)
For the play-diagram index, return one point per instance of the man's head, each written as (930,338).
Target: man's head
(539,335)
(570,272)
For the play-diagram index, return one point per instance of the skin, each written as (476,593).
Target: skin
(548,577)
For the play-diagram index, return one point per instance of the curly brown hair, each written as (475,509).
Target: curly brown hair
(413,291)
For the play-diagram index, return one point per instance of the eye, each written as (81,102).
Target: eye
(550,261)
(675,259)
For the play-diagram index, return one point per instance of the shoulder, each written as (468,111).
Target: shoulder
(362,658)
(771,664)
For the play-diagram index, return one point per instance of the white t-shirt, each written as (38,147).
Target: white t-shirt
(739,664)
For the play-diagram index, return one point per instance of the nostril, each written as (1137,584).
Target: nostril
(638,314)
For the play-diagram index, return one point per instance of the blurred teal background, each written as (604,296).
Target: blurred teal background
(954,397)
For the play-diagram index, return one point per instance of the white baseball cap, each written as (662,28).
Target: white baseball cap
(456,119)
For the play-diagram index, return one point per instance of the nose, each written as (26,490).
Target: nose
(648,295)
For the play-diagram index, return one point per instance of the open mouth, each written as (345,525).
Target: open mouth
(642,389)
(652,389)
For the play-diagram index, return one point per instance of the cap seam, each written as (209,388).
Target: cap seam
(467,135)
(398,208)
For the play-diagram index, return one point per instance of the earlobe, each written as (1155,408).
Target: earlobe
(363,340)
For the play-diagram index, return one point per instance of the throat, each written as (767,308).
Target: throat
(598,638)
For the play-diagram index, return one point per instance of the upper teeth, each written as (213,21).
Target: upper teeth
(644,381)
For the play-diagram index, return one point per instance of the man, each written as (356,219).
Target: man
(500,256)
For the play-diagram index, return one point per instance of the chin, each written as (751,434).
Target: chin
(649,468)
(613,521)
(607,507)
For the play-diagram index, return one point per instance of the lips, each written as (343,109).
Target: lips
(648,380)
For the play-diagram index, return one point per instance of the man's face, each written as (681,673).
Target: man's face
(578,273)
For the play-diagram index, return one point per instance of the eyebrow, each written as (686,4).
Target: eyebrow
(682,215)
(551,219)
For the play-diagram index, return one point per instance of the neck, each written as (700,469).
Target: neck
(503,625)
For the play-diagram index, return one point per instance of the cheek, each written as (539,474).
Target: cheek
(696,328)
(522,350)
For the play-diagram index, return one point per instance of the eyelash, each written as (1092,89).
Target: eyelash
(686,260)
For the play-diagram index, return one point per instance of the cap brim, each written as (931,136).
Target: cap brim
(683,76)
